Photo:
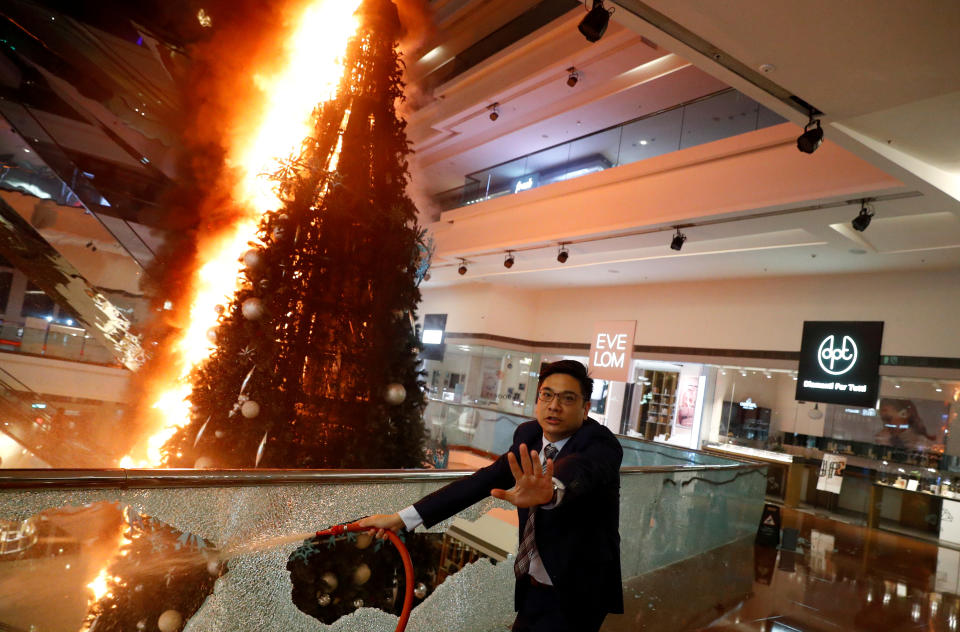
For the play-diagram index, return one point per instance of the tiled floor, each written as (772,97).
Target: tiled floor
(846,577)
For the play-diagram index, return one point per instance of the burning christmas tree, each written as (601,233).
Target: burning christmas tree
(315,361)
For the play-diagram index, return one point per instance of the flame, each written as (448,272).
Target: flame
(99,585)
(312,72)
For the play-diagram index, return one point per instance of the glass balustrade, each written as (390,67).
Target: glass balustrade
(160,549)
(55,341)
(713,117)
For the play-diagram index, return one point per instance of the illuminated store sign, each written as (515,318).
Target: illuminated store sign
(840,362)
(611,349)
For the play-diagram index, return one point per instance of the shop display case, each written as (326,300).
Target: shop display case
(658,402)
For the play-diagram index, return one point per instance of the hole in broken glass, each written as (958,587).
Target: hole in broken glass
(333,576)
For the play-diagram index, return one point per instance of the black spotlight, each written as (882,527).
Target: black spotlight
(595,24)
(861,221)
(573,77)
(677,242)
(463,268)
(811,138)
(563,255)
(508,262)
(494,111)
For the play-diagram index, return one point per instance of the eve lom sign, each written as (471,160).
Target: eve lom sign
(611,349)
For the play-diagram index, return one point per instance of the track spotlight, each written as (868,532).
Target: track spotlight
(677,242)
(594,25)
(494,111)
(563,255)
(508,262)
(463,267)
(573,77)
(811,138)
(861,221)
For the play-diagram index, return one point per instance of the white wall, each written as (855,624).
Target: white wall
(920,310)
(49,376)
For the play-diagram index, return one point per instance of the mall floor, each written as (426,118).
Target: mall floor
(840,577)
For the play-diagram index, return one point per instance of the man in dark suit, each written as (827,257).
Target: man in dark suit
(568,559)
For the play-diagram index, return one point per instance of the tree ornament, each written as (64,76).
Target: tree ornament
(253,259)
(420,590)
(260,449)
(323,599)
(263,284)
(219,434)
(219,309)
(395,394)
(328,582)
(212,334)
(358,603)
(252,308)
(169,621)
(363,540)
(361,574)
(213,567)
(250,409)
(203,463)
(142,624)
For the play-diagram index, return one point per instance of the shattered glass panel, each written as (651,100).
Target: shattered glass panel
(216,558)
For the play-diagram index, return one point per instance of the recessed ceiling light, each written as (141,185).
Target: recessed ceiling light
(858,251)
(611,271)
(767,67)
(643,142)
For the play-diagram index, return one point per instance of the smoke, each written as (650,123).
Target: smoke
(220,97)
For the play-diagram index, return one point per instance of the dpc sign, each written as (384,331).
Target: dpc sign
(840,362)
(611,349)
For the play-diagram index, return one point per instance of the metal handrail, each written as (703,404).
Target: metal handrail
(157,478)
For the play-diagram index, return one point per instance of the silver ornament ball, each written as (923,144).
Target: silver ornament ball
(420,590)
(252,309)
(250,409)
(219,434)
(253,258)
(395,394)
(358,603)
(323,599)
(203,463)
(169,621)
(361,574)
(212,334)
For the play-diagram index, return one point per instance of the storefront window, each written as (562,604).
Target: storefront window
(487,377)
(910,424)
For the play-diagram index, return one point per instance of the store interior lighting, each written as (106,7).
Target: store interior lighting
(573,76)
(463,267)
(812,137)
(594,25)
(677,242)
(563,254)
(509,261)
(494,111)
(862,221)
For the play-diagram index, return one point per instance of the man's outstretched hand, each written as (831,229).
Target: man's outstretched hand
(534,486)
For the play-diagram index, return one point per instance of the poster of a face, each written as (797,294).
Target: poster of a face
(687,400)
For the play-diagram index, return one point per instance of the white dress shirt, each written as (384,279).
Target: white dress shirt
(411,518)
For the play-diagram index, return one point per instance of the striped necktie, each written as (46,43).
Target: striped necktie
(528,545)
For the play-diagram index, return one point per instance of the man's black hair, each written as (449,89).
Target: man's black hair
(574,369)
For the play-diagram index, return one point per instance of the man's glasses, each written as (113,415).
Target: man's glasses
(567,398)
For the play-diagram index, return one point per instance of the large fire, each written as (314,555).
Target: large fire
(310,76)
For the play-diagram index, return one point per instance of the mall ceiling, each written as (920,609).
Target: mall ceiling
(886,82)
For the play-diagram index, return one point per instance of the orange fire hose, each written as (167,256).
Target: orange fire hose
(340,529)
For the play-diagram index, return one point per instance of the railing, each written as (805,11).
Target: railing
(54,341)
(667,514)
(702,120)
